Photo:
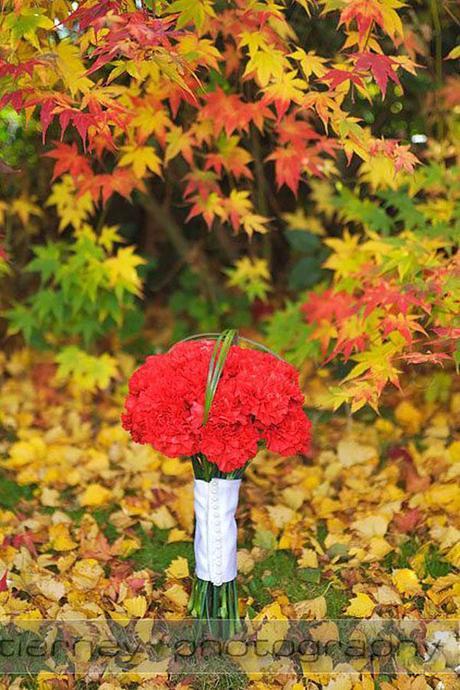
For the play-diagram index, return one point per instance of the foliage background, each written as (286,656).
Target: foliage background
(290,170)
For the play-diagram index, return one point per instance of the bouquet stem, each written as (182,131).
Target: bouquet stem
(217,605)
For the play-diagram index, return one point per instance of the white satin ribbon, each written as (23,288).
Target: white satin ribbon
(215,529)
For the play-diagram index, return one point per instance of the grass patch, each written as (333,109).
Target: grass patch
(280,571)
(435,565)
(156,553)
(11,493)
(208,673)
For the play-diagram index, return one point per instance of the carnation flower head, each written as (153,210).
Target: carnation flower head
(258,399)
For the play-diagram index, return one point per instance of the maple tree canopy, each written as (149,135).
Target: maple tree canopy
(123,89)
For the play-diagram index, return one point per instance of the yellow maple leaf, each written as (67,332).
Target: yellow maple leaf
(289,87)
(29,620)
(308,559)
(265,62)
(71,208)
(50,587)
(379,172)
(174,467)
(361,606)
(454,451)
(251,276)
(310,62)
(85,371)
(122,270)
(254,222)
(71,68)
(162,518)
(86,574)
(141,159)
(24,208)
(372,526)
(178,568)
(176,534)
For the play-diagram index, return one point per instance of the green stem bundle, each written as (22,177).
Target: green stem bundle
(217,605)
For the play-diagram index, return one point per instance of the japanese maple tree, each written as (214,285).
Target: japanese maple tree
(138,90)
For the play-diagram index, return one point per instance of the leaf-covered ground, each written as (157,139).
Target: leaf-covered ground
(93,525)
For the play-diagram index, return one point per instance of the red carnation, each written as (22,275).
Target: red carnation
(258,398)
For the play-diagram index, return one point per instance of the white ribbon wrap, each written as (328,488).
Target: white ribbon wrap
(215,529)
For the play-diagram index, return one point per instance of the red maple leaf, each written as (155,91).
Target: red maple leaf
(345,347)
(202,181)
(401,155)
(288,167)
(426,358)
(94,15)
(121,181)
(364,13)
(295,131)
(229,113)
(7,69)
(329,306)
(412,480)
(381,67)
(3,253)
(447,332)
(385,295)
(339,76)
(3,582)
(46,115)
(69,160)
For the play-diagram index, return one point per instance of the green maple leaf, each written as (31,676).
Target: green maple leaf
(406,210)
(289,334)
(21,319)
(362,211)
(48,302)
(47,260)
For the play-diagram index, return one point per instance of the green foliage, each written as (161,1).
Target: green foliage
(11,492)
(85,370)
(251,276)
(18,143)
(309,254)
(287,332)
(428,205)
(197,311)
(85,291)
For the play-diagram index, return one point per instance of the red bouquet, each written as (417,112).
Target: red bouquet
(258,400)
(217,403)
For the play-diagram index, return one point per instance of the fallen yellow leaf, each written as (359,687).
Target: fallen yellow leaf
(361,606)
(60,539)
(135,606)
(406,581)
(409,417)
(177,595)
(95,495)
(178,568)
